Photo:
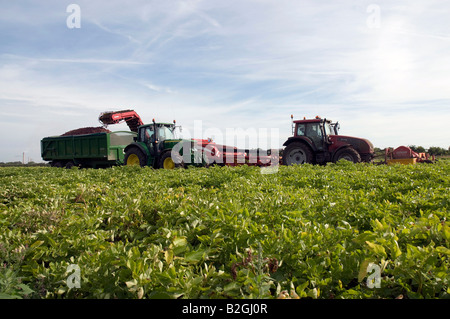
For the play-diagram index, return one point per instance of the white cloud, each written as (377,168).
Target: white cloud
(230,64)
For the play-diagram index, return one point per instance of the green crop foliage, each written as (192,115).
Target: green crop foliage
(226,232)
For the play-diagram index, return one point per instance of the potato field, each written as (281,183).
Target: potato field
(339,231)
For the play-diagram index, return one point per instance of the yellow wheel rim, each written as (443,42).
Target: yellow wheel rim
(133,159)
(168,163)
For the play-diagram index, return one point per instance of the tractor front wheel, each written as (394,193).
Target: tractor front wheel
(348,154)
(297,153)
(134,156)
(167,162)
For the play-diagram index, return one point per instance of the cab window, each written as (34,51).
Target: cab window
(165,133)
(147,134)
(313,130)
(329,130)
(300,129)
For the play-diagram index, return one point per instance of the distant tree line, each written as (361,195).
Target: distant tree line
(433,150)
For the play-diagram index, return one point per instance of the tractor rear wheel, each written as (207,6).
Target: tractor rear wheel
(134,156)
(167,162)
(297,153)
(348,154)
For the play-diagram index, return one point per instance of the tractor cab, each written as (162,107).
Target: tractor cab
(318,131)
(156,133)
(155,136)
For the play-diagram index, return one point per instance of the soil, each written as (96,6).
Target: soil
(87,130)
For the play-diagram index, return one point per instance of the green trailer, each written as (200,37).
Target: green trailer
(90,150)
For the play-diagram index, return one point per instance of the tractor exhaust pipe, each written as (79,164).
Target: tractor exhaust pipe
(292,124)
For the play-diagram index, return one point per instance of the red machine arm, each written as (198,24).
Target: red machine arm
(131,117)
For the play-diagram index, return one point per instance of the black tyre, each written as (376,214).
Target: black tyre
(69,165)
(135,156)
(348,154)
(297,153)
(167,162)
(57,164)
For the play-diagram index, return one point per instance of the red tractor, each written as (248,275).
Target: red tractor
(316,141)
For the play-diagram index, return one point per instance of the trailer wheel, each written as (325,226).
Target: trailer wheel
(57,164)
(69,165)
(134,156)
(297,153)
(167,162)
(348,154)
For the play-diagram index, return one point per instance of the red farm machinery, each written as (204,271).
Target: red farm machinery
(132,119)
(405,155)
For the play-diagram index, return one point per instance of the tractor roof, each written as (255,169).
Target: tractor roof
(315,120)
(157,123)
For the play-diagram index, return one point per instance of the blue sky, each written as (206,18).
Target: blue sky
(381,68)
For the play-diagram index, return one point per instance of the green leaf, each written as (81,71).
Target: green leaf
(131,284)
(446,231)
(179,245)
(443,250)
(377,249)
(364,237)
(168,256)
(25,290)
(363,269)
(313,293)
(231,286)
(37,243)
(300,289)
(395,250)
(378,225)
(195,256)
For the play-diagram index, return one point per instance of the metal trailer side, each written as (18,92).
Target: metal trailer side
(89,150)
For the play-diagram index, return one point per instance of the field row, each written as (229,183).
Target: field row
(335,231)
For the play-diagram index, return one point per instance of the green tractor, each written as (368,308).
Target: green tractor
(154,142)
(154,145)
